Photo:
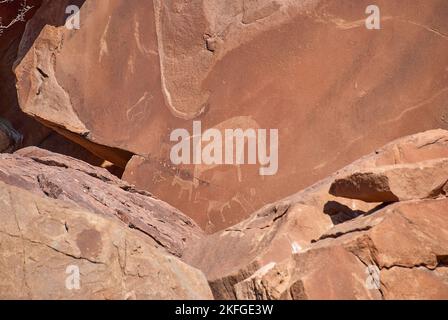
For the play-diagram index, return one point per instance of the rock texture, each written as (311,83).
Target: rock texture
(305,63)
(21,129)
(60,177)
(118,85)
(274,254)
(10,139)
(407,242)
(420,180)
(42,240)
(60,212)
(11,31)
(270,235)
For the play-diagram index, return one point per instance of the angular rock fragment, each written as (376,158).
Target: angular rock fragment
(406,242)
(271,235)
(231,256)
(421,180)
(53,250)
(11,32)
(418,283)
(95,189)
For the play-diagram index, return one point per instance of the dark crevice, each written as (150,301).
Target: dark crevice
(42,73)
(340,234)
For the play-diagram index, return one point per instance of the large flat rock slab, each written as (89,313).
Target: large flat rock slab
(53,250)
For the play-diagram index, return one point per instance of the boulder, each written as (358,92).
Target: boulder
(270,235)
(289,225)
(51,249)
(321,274)
(181,61)
(405,242)
(22,129)
(422,180)
(11,32)
(92,188)
(404,234)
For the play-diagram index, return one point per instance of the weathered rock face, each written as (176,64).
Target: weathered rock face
(411,150)
(422,180)
(60,177)
(238,64)
(10,139)
(311,245)
(58,144)
(46,242)
(271,235)
(407,242)
(11,31)
(17,129)
(271,255)
(321,274)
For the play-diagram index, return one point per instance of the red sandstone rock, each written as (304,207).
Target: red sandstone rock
(10,139)
(42,240)
(271,235)
(334,89)
(95,189)
(406,242)
(287,250)
(321,274)
(33,132)
(58,144)
(310,69)
(232,259)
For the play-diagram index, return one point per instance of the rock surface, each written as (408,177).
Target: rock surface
(237,258)
(421,180)
(311,245)
(321,274)
(133,72)
(182,61)
(23,130)
(406,241)
(271,235)
(44,241)
(60,177)
(10,139)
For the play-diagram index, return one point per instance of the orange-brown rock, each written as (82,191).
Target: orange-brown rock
(233,257)
(406,241)
(334,89)
(321,274)
(410,150)
(51,249)
(421,180)
(10,139)
(11,32)
(270,235)
(60,177)
(4,141)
